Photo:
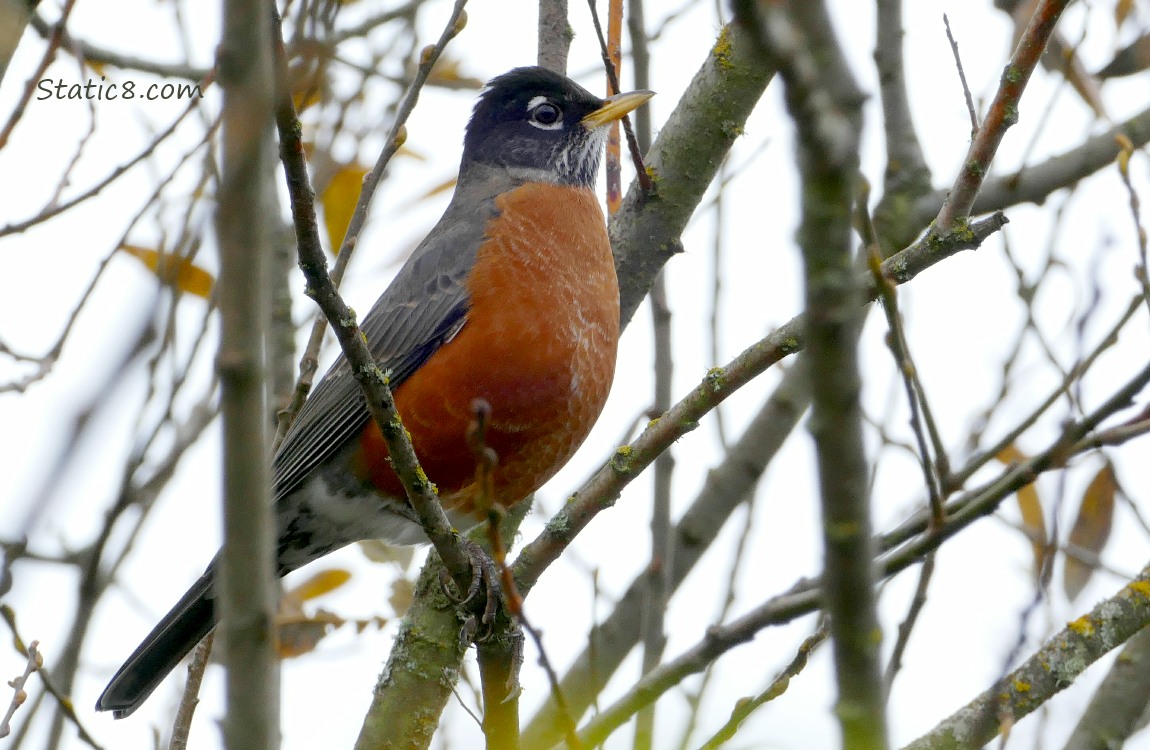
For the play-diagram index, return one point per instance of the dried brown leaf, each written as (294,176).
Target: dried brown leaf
(298,634)
(382,552)
(1030,506)
(1091,529)
(402,594)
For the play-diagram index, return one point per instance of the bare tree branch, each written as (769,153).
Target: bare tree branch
(1003,113)
(1113,713)
(1046,672)
(683,162)
(727,485)
(826,104)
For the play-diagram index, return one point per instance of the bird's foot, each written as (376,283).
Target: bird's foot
(485,583)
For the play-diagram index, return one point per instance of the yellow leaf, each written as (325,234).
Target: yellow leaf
(309,83)
(1091,529)
(305,98)
(1122,10)
(1011,455)
(339,201)
(1030,506)
(173,270)
(321,583)
(448,73)
(1034,524)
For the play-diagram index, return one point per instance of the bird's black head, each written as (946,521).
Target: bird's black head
(543,125)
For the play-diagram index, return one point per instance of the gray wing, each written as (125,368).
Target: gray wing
(425,306)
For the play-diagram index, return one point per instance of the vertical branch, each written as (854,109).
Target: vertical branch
(658,575)
(825,103)
(46,59)
(499,671)
(555,35)
(905,164)
(614,56)
(281,331)
(247,583)
(907,177)
(303,196)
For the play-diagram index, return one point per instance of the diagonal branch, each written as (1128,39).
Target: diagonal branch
(1002,114)
(322,289)
(727,485)
(604,487)
(806,596)
(1048,671)
(683,162)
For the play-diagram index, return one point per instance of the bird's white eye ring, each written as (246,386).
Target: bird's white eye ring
(544,114)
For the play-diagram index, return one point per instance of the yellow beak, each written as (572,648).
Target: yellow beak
(615,107)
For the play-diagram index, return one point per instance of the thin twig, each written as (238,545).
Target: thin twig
(115,174)
(962,77)
(645,182)
(570,737)
(906,627)
(744,708)
(182,724)
(321,288)
(1143,273)
(63,701)
(34,663)
(45,60)
(1002,114)
(900,351)
(973,464)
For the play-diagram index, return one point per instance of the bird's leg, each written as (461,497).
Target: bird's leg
(484,568)
(486,459)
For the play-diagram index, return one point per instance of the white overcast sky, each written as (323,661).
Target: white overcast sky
(960,318)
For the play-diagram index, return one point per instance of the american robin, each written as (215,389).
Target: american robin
(512,298)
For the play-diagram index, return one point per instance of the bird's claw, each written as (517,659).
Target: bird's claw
(485,581)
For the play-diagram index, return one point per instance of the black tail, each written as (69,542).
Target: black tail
(182,628)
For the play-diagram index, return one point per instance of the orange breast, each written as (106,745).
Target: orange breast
(539,345)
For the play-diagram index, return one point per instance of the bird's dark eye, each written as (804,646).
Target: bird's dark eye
(546,113)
